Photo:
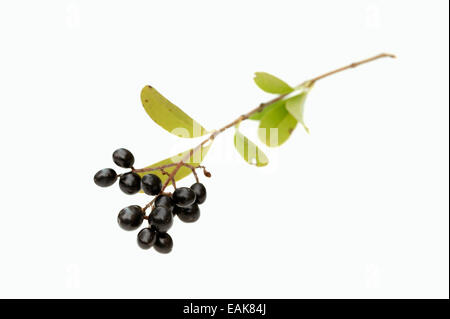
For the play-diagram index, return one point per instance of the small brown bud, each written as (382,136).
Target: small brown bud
(206,173)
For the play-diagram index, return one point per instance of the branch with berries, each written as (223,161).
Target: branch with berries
(277,120)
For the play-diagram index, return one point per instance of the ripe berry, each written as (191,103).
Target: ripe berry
(123,158)
(130,183)
(164,243)
(105,177)
(161,218)
(151,184)
(189,214)
(164,201)
(146,238)
(200,192)
(131,217)
(183,197)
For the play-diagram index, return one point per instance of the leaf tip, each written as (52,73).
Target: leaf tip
(262,164)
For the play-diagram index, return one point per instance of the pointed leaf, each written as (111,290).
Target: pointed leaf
(276,126)
(271,84)
(168,115)
(195,159)
(296,106)
(249,151)
(258,116)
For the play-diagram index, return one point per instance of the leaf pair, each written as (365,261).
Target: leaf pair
(174,120)
(278,120)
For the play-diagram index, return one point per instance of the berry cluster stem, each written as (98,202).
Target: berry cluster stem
(261,107)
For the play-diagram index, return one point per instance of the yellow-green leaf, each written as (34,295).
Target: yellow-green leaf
(276,126)
(296,106)
(168,115)
(195,159)
(271,84)
(258,116)
(249,151)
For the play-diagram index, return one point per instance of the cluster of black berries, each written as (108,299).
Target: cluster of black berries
(183,203)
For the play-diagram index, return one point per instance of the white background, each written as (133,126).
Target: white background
(358,209)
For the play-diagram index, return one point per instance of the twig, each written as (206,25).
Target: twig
(151,169)
(262,106)
(352,65)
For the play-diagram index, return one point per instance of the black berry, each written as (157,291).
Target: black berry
(105,177)
(151,184)
(164,243)
(161,218)
(164,201)
(123,158)
(200,192)
(183,197)
(146,238)
(130,183)
(131,217)
(189,214)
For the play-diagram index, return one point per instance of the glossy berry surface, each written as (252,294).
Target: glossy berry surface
(200,192)
(131,217)
(164,201)
(189,214)
(123,158)
(146,238)
(164,243)
(105,177)
(183,197)
(130,183)
(151,184)
(176,210)
(161,218)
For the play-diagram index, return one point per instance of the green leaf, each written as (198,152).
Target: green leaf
(258,116)
(195,159)
(169,116)
(249,151)
(296,106)
(276,126)
(271,84)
